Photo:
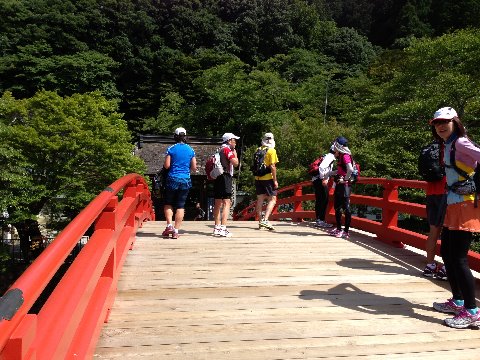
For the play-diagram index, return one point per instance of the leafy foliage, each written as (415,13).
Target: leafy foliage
(67,150)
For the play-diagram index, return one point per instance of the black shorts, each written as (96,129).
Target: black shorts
(265,187)
(436,208)
(176,198)
(222,187)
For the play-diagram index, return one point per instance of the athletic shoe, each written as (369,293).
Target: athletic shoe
(225,233)
(430,270)
(334,232)
(168,230)
(318,223)
(322,224)
(175,235)
(463,320)
(342,234)
(265,224)
(448,307)
(441,274)
(217,231)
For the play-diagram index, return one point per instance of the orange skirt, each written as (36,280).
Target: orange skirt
(463,216)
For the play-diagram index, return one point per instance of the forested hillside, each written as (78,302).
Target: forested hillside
(371,70)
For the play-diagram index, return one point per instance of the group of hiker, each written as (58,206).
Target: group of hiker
(451,199)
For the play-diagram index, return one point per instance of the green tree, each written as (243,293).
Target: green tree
(429,74)
(69,150)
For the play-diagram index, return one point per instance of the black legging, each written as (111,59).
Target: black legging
(454,249)
(321,199)
(341,200)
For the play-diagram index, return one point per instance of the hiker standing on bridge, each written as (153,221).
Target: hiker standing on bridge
(341,196)
(432,170)
(223,185)
(320,180)
(266,185)
(179,161)
(461,157)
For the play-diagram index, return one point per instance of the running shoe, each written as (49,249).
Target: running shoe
(323,224)
(225,233)
(441,274)
(430,270)
(265,224)
(327,225)
(448,307)
(463,320)
(175,235)
(217,231)
(334,232)
(168,230)
(343,234)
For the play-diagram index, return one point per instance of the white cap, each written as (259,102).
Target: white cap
(268,135)
(229,136)
(446,113)
(180,131)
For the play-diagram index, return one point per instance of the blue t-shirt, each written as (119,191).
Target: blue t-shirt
(180,156)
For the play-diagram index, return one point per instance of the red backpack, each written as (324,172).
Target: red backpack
(213,166)
(314,166)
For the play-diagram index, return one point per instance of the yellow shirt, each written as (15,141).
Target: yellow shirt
(270,158)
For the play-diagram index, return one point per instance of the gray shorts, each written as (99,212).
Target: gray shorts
(436,208)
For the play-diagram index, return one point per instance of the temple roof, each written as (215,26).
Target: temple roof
(152,149)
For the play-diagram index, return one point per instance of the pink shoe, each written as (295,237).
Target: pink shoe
(342,234)
(334,232)
(168,230)
(175,235)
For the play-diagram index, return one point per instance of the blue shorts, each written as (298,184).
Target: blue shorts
(176,198)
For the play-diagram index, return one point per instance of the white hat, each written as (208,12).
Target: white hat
(180,131)
(268,135)
(229,136)
(446,113)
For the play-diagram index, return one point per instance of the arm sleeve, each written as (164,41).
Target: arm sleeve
(468,148)
(349,171)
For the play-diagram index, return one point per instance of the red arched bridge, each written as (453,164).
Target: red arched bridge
(292,293)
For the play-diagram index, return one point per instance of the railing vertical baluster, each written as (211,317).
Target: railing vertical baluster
(297,204)
(389,215)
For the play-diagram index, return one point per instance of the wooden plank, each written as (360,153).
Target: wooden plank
(293,293)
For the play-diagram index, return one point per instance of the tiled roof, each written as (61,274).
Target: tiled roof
(152,148)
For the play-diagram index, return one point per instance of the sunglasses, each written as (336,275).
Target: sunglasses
(441,121)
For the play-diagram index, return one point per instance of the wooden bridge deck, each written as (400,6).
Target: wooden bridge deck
(295,293)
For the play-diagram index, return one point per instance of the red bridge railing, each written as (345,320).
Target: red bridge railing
(389,204)
(69,323)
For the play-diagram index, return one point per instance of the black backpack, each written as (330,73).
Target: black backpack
(475,179)
(160,180)
(259,168)
(430,163)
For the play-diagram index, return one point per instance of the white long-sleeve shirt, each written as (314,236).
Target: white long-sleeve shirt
(325,169)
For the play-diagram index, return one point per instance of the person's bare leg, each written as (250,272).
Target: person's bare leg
(168,211)
(179,214)
(260,200)
(272,200)
(431,242)
(227,203)
(216,211)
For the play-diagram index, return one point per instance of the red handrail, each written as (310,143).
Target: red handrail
(68,324)
(387,230)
